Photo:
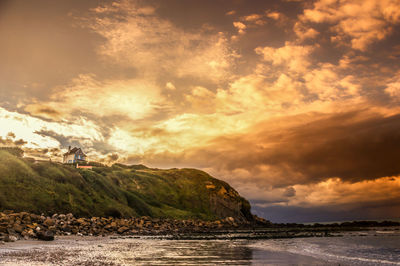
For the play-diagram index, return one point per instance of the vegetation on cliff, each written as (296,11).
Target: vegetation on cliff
(119,190)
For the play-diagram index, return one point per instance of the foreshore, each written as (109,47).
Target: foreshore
(372,246)
(142,250)
(23,225)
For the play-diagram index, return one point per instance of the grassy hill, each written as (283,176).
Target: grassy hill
(119,190)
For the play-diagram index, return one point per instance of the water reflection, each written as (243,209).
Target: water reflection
(198,252)
(348,250)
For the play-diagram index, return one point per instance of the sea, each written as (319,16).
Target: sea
(380,246)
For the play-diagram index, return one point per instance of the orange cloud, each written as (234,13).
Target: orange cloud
(275,110)
(393,88)
(241,27)
(294,57)
(325,83)
(252,17)
(142,40)
(303,32)
(170,86)
(363,22)
(132,98)
(335,192)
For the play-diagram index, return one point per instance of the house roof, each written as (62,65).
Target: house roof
(75,150)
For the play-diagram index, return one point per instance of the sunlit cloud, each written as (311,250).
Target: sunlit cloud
(288,106)
(28,128)
(135,99)
(362,22)
(240,26)
(336,192)
(393,88)
(155,46)
(294,57)
(304,32)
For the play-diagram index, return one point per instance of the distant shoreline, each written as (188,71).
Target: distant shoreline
(396,220)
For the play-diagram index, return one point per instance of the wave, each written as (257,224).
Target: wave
(353,251)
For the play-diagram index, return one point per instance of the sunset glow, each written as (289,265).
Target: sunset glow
(293,103)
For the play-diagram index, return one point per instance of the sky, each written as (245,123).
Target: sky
(296,104)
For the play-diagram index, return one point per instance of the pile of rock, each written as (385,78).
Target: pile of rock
(14,226)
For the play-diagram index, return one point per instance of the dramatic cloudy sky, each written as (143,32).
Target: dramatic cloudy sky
(295,103)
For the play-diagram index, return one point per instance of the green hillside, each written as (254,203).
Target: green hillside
(119,190)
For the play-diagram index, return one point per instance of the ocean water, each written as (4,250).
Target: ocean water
(373,247)
(359,248)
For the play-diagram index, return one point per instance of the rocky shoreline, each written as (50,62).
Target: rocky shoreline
(24,225)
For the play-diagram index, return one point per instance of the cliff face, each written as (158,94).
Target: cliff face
(226,202)
(120,190)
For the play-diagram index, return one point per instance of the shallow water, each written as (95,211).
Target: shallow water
(371,248)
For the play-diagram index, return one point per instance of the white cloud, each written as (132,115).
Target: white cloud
(24,127)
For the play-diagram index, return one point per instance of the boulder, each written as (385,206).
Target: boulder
(122,229)
(49,222)
(28,233)
(10,238)
(45,235)
(11,231)
(81,221)
(18,228)
(230,220)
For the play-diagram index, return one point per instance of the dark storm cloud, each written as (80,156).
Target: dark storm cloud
(290,192)
(367,149)
(100,146)
(64,140)
(353,146)
(378,210)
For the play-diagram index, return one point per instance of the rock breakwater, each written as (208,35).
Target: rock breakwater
(24,225)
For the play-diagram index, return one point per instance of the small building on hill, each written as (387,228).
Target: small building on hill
(74,155)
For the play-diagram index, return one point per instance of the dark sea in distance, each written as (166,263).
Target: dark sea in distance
(375,247)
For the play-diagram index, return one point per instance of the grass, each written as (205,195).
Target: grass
(119,190)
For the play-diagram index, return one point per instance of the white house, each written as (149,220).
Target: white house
(74,155)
